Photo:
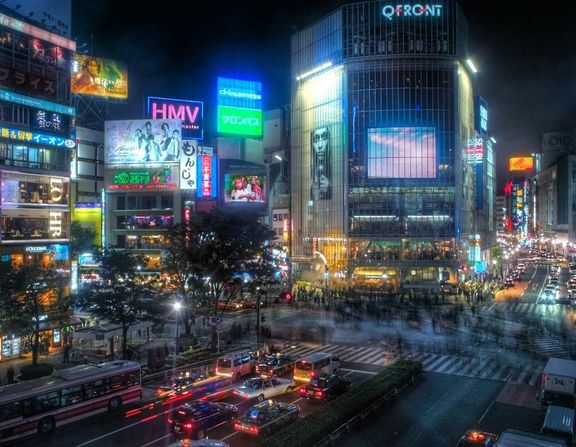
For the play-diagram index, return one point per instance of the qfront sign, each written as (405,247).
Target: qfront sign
(417,10)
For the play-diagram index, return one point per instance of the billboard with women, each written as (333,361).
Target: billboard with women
(142,141)
(244,184)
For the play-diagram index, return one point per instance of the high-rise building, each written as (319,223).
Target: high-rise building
(383,191)
(36,138)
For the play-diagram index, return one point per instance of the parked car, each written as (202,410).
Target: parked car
(193,419)
(267,417)
(259,388)
(325,387)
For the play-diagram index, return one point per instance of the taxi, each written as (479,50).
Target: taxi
(276,365)
(260,388)
(179,384)
(477,438)
(266,417)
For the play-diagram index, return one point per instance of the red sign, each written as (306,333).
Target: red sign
(206,176)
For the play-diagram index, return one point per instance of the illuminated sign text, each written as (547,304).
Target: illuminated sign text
(189,112)
(416,10)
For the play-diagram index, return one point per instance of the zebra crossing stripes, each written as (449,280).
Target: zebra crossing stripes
(489,368)
(529,308)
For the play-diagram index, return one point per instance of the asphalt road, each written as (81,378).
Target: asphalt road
(440,408)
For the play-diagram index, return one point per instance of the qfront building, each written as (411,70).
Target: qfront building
(382,119)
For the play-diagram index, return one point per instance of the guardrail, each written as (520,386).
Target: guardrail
(349,424)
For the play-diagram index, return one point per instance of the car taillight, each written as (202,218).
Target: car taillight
(237,425)
(318,393)
(188,425)
(303,391)
(170,420)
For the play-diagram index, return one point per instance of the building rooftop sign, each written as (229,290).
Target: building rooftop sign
(417,10)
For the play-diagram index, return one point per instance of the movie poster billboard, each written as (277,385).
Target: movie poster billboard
(142,141)
(97,76)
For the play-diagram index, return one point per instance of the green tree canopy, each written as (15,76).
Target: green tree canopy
(28,294)
(122,296)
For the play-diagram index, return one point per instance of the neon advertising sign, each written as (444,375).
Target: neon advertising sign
(417,10)
(191,114)
(149,180)
(207,176)
(35,137)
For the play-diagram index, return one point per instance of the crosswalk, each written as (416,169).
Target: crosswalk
(491,367)
(559,310)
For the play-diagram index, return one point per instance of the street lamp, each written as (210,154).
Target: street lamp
(177,306)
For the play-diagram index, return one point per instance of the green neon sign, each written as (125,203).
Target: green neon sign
(240,121)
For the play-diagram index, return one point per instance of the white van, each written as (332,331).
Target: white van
(559,421)
(237,365)
(314,365)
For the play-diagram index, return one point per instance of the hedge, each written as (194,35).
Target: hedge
(316,427)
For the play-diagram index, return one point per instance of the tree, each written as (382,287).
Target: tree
(81,239)
(27,295)
(216,249)
(182,260)
(122,296)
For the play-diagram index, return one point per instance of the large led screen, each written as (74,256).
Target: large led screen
(97,76)
(142,141)
(244,188)
(521,164)
(402,152)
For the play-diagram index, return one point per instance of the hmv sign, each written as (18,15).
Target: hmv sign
(191,113)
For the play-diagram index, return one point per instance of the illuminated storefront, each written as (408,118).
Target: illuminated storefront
(382,113)
(36,137)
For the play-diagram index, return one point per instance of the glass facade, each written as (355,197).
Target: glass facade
(382,193)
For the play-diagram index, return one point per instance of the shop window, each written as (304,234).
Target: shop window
(167,202)
(21,115)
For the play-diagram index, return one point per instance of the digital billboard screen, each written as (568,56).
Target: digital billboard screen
(142,141)
(97,76)
(521,164)
(239,107)
(191,113)
(402,152)
(244,188)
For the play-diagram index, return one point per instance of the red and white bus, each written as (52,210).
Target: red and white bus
(67,395)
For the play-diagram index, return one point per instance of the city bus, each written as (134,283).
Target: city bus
(67,395)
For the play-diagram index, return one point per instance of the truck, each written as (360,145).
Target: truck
(520,438)
(558,383)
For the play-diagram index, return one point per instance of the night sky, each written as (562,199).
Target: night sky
(526,56)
